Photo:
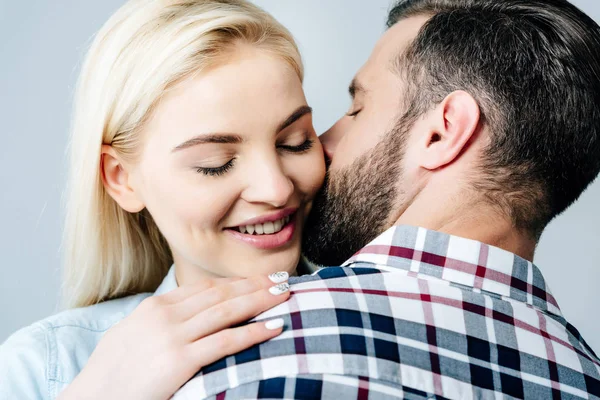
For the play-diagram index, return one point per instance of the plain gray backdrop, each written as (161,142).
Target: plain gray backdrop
(41,46)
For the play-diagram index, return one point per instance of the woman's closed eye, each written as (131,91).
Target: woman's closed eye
(216,171)
(220,170)
(298,142)
(299,148)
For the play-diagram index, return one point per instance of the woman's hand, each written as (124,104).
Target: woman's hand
(168,338)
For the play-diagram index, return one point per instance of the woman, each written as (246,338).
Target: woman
(194,163)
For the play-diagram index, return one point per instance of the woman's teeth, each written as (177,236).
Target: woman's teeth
(268,228)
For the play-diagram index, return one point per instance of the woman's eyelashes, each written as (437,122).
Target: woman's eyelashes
(301,148)
(223,169)
(216,171)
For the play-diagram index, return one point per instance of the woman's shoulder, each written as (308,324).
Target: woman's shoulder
(98,317)
(36,361)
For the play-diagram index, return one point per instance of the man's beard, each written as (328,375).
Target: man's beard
(355,204)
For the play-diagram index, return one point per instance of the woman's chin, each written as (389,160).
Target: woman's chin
(285,261)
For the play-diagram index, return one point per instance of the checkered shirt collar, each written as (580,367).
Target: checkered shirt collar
(458,261)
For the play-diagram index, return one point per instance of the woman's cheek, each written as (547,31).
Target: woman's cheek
(310,173)
(195,205)
(213,200)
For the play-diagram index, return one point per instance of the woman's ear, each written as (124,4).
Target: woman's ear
(115,178)
(456,120)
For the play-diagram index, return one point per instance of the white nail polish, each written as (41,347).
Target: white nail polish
(279,289)
(279,277)
(274,324)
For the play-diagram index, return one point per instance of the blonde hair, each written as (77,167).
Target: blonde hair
(145,48)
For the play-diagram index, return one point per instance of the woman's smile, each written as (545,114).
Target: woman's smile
(267,232)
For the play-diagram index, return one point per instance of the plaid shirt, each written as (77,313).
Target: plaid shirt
(416,314)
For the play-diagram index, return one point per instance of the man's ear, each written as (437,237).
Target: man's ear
(454,122)
(115,178)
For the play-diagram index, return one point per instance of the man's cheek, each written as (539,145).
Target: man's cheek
(352,147)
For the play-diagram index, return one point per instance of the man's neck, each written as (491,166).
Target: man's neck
(476,221)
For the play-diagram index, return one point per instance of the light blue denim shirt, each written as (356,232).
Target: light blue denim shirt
(39,361)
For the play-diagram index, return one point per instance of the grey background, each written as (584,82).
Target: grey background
(41,45)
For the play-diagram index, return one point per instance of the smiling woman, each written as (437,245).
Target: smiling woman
(200,133)
(227,150)
(194,163)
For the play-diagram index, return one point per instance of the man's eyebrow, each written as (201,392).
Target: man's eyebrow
(295,116)
(355,88)
(219,138)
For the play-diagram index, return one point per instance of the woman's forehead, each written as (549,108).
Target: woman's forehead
(258,91)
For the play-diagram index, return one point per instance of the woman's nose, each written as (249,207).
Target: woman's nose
(269,185)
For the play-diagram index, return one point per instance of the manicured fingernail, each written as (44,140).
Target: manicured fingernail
(279,289)
(274,324)
(279,277)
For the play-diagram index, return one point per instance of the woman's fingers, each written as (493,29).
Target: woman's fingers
(234,311)
(230,341)
(202,300)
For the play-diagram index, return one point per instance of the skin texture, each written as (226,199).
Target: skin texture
(249,97)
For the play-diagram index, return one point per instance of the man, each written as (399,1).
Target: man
(473,124)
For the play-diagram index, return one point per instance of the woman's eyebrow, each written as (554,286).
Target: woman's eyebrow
(219,138)
(295,116)
(230,138)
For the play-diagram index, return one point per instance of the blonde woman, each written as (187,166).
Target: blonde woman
(193,163)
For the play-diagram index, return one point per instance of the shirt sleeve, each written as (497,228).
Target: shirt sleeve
(23,364)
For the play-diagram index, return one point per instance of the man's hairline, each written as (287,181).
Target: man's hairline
(400,54)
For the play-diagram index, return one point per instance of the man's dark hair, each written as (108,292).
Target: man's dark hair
(534,68)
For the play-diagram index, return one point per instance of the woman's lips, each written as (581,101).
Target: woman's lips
(274,216)
(267,240)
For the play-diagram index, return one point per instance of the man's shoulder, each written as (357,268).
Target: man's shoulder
(335,272)
(372,321)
